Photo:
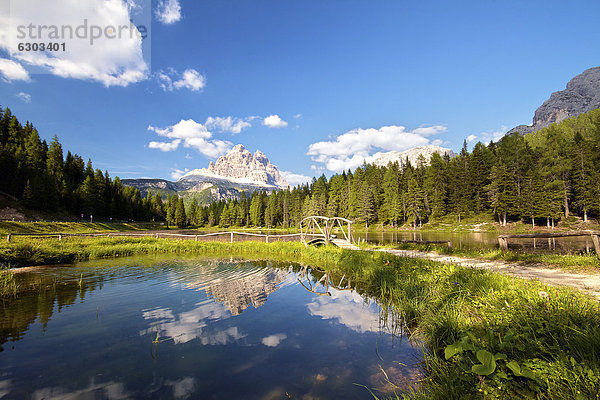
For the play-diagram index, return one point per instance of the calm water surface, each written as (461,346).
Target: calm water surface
(484,241)
(185,328)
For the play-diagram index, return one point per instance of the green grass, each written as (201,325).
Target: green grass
(553,333)
(7,227)
(571,262)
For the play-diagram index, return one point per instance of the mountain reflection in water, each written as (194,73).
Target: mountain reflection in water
(189,328)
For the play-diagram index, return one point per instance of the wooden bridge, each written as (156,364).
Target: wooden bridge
(318,230)
(314,230)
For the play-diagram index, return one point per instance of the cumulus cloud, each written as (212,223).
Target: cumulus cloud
(353,148)
(165,146)
(26,97)
(178,173)
(168,11)
(274,340)
(229,124)
(346,308)
(295,179)
(488,136)
(13,71)
(111,53)
(274,121)
(190,79)
(190,325)
(190,134)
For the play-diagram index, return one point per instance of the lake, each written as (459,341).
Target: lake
(483,241)
(197,328)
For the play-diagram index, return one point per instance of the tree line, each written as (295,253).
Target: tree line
(43,178)
(538,178)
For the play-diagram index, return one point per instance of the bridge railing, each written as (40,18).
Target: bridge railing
(318,226)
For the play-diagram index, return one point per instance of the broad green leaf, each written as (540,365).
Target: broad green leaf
(527,373)
(514,367)
(453,349)
(499,356)
(488,364)
(502,375)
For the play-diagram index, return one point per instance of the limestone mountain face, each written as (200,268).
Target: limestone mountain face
(413,155)
(236,172)
(581,95)
(240,166)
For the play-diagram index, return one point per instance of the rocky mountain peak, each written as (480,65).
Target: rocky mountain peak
(581,95)
(239,165)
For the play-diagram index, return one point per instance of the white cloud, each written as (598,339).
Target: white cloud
(183,388)
(191,134)
(348,309)
(110,53)
(13,71)
(295,179)
(178,173)
(108,390)
(489,136)
(168,11)
(189,325)
(274,121)
(26,97)
(274,340)
(229,124)
(190,79)
(297,116)
(351,149)
(165,146)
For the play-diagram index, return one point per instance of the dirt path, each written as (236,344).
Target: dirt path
(588,282)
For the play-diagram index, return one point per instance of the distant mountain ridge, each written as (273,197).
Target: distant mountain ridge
(581,95)
(236,172)
(412,155)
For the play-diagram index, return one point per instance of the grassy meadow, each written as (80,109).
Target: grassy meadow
(485,335)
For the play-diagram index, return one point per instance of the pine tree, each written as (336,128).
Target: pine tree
(502,192)
(180,217)
(256,210)
(391,210)
(415,204)
(192,212)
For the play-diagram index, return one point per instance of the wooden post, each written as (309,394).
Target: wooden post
(267,239)
(59,237)
(503,242)
(157,236)
(449,244)
(596,240)
(231,240)
(195,238)
(8,237)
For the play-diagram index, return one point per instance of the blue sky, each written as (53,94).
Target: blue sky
(316,85)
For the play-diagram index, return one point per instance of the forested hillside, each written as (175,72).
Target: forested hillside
(545,175)
(43,178)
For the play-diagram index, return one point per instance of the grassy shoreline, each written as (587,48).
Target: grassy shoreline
(571,262)
(551,334)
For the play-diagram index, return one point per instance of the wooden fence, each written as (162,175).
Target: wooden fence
(226,237)
(595,236)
